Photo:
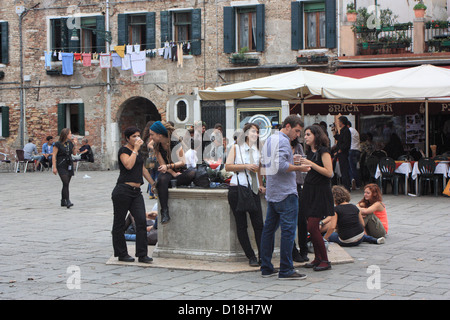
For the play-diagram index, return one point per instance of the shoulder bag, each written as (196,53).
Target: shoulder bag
(246,201)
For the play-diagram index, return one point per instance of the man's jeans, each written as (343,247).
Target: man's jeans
(353,159)
(283,214)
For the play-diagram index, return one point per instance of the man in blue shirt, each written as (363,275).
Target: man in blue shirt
(47,150)
(282,198)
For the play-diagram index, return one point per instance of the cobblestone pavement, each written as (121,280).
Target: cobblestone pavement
(44,248)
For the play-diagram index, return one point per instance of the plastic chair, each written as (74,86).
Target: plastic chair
(427,167)
(387,169)
(20,158)
(379,154)
(371,165)
(440,158)
(5,160)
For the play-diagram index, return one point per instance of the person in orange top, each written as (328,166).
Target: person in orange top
(373,211)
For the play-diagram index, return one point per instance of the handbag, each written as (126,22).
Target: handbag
(246,201)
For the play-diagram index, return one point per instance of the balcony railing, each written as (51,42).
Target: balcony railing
(385,40)
(437,36)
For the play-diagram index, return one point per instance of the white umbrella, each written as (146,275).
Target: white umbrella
(285,86)
(425,81)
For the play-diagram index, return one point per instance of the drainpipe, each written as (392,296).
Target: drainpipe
(109,147)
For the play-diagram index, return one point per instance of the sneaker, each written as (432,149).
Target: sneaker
(273,273)
(253,262)
(294,276)
(381,240)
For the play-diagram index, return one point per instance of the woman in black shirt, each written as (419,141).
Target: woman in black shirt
(63,164)
(127,196)
(348,221)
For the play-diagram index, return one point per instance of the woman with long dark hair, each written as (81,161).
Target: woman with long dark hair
(317,198)
(243,160)
(62,162)
(127,196)
(170,156)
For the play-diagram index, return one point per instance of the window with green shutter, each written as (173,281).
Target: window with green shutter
(4,43)
(244,27)
(4,122)
(182,26)
(137,28)
(71,115)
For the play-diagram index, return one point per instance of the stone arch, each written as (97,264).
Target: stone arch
(136,111)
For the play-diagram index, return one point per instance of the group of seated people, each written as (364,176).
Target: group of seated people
(44,158)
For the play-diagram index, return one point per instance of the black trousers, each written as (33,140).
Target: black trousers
(127,198)
(241,222)
(302,226)
(163,184)
(345,169)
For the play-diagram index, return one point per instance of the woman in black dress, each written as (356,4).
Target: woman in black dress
(63,164)
(127,196)
(317,198)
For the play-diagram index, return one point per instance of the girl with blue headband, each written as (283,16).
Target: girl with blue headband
(170,156)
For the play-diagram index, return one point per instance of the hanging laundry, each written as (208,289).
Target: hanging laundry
(48,59)
(120,50)
(95,56)
(105,60)
(67,63)
(138,63)
(116,60)
(180,55)
(174,52)
(77,56)
(126,62)
(161,51)
(86,59)
(129,49)
(137,48)
(60,56)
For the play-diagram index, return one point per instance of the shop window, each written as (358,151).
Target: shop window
(4,45)
(244,27)
(71,115)
(313,24)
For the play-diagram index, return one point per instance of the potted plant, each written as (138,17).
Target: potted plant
(302,60)
(242,59)
(419,9)
(351,12)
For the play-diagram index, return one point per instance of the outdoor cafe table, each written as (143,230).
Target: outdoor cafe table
(442,167)
(402,167)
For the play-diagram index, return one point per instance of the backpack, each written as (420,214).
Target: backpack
(90,155)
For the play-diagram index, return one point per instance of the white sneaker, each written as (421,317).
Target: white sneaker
(381,240)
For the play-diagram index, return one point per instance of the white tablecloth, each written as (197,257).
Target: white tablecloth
(405,168)
(441,168)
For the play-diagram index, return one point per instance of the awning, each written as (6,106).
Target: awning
(359,73)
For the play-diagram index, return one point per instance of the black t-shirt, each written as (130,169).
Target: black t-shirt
(133,175)
(64,155)
(348,223)
(314,177)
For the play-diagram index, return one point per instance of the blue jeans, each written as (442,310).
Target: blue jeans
(353,159)
(282,214)
(334,237)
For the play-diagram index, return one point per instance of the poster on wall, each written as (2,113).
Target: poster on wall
(415,128)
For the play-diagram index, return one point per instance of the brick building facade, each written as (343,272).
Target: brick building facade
(98,103)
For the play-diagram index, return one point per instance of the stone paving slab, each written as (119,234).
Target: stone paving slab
(336,254)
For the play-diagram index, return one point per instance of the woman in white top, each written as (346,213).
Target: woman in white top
(243,159)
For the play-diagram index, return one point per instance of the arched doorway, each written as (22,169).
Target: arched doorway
(136,111)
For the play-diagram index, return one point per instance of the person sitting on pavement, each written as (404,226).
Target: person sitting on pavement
(373,211)
(31,153)
(349,222)
(152,231)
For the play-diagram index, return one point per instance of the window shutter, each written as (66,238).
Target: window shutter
(4,42)
(166,27)
(330,21)
(296,25)
(5,121)
(229,32)
(100,42)
(81,122)
(196,32)
(122,29)
(260,27)
(150,33)
(61,117)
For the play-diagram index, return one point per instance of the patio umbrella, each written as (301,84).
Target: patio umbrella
(422,82)
(285,86)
